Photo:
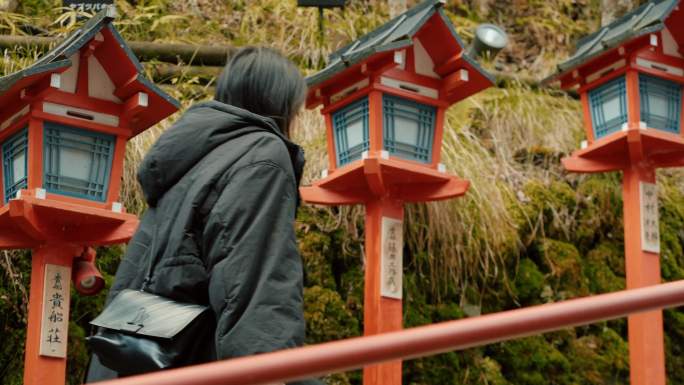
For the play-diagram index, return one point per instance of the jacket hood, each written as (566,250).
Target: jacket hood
(200,130)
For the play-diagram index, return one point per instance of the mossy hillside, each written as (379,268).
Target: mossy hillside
(527,233)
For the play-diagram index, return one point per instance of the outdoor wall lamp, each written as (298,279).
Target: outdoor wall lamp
(489,40)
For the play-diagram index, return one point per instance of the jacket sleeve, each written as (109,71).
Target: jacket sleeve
(255,286)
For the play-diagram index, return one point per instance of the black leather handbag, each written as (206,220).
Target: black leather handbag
(140,332)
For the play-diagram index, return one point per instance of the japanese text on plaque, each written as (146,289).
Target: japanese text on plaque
(391,259)
(55,320)
(650,231)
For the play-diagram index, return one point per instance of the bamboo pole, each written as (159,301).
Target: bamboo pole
(145,51)
(163,72)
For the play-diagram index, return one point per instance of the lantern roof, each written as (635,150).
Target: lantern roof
(651,17)
(121,66)
(398,34)
(21,79)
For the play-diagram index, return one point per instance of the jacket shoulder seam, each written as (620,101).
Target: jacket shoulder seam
(265,162)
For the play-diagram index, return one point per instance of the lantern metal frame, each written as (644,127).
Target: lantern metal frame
(614,91)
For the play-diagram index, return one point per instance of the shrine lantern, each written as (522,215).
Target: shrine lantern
(384,98)
(630,76)
(66,119)
(64,124)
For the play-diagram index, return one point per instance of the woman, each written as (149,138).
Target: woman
(222,188)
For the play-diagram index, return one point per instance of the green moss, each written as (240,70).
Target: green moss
(601,359)
(488,372)
(532,361)
(446,312)
(605,269)
(315,247)
(15,271)
(467,367)
(441,369)
(600,210)
(674,343)
(327,316)
(563,265)
(529,282)
(351,289)
(11,353)
(546,208)
(671,233)
(328,319)
(417,311)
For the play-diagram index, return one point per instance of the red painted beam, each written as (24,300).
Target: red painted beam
(317,360)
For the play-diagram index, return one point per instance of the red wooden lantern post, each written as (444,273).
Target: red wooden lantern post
(630,76)
(64,125)
(384,99)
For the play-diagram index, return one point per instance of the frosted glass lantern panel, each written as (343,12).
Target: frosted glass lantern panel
(661,103)
(611,108)
(19,167)
(77,162)
(355,134)
(406,130)
(658,105)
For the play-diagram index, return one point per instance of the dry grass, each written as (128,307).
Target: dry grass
(467,239)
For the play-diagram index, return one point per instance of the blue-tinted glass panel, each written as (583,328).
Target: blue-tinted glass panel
(408,128)
(608,107)
(350,127)
(77,162)
(661,103)
(15,164)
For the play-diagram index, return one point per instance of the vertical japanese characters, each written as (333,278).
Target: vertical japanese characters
(54,323)
(650,231)
(392,264)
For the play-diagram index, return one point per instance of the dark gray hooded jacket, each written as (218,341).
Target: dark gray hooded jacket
(222,189)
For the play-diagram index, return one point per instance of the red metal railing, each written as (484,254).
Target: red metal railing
(317,360)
